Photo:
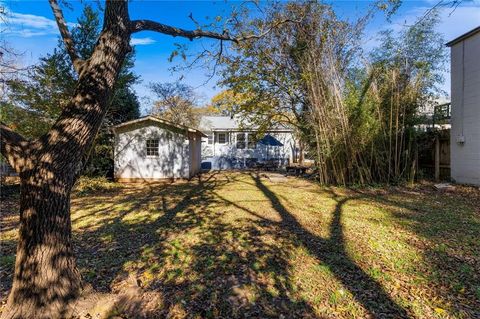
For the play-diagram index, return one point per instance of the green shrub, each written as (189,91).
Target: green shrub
(88,185)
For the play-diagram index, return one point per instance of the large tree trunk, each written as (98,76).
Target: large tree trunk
(46,279)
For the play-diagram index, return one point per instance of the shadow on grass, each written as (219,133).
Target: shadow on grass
(233,270)
(450,224)
(332,252)
(228,269)
(200,263)
(116,242)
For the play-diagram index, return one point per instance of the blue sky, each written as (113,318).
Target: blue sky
(32,31)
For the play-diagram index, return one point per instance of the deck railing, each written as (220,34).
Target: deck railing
(442,113)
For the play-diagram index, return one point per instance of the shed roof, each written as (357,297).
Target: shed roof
(157,119)
(463,36)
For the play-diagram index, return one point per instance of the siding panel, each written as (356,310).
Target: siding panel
(465,69)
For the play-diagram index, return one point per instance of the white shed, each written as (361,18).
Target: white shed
(465,133)
(151,148)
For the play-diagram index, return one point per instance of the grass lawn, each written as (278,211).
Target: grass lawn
(246,245)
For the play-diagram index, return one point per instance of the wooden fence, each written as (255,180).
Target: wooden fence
(434,155)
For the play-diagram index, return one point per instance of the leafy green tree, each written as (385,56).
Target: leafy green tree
(406,72)
(356,114)
(33,103)
(270,75)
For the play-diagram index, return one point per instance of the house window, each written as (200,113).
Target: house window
(152,147)
(252,142)
(221,138)
(210,138)
(240,141)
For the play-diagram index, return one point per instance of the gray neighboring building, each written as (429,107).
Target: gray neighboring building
(151,148)
(228,145)
(465,92)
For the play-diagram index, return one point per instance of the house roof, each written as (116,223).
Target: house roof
(463,37)
(161,121)
(228,123)
(218,122)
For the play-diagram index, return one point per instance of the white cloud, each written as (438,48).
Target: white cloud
(25,33)
(142,41)
(29,25)
(30,21)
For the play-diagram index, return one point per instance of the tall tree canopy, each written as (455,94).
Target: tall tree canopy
(176,102)
(356,113)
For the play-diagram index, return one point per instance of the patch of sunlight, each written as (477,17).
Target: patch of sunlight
(107,238)
(322,269)
(377,273)
(369,233)
(315,221)
(150,274)
(129,264)
(174,275)
(319,287)
(92,221)
(141,217)
(337,296)
(367,212)
(124,207)
(388,254)
(167,262)
(177,309)
(9,235)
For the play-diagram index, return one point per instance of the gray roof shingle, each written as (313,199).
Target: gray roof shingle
(219,123)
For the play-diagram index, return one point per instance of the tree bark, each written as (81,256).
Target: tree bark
(46,278)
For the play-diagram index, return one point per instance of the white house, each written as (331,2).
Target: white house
(151,148)
(229,145)
(465,91)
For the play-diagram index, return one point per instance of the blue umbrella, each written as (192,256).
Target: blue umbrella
(269,140)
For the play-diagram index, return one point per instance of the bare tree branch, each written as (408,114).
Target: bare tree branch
(67,38)
(267,31)
(453,4)
(148,25)
(12,147)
